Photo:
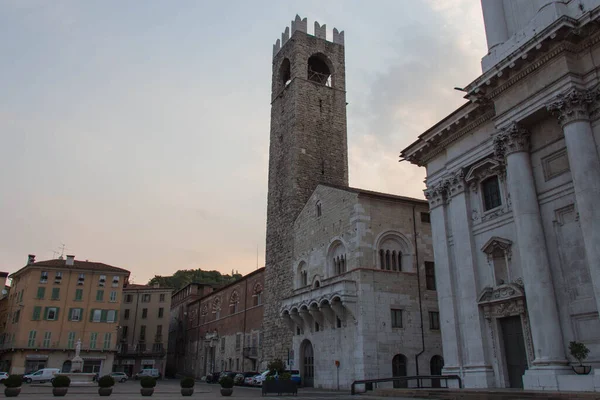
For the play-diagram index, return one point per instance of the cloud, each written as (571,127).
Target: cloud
(432,55)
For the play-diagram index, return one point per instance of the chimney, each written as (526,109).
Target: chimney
(30,259)
(70,260)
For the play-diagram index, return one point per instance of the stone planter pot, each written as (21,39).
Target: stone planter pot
(105,391)
(147,391)
(226,391)
(12,392)
(187,391)
(582,369)
(60,391)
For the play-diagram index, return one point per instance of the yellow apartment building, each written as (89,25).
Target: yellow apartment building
(144,328)
(51,305)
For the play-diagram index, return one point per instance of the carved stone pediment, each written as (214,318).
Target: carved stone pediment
(482,170)
(502,301)
(497,244)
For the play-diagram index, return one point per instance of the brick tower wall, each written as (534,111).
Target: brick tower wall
(308,146)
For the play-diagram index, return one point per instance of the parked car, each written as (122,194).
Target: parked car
(3,376)
(119,376)
(248,376)
(42,375)
(151,372)
(258,379)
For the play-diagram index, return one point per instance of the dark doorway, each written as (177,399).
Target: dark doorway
(399,369)
(308,364)
(66,367)
(435,368)
(514,350)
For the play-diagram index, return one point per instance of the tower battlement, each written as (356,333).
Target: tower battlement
(299,24)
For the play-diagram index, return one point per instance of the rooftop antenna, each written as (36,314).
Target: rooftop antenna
(62,251)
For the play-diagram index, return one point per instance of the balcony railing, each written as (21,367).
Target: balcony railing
(155,351)
(250,352)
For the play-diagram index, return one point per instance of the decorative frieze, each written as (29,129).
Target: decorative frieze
(435,195)
(455,183)
(512,139)
(572,105)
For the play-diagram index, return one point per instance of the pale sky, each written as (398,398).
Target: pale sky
(136,132)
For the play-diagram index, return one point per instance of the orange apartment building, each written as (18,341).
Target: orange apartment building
(51,305)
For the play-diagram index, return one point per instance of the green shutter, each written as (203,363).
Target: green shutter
(46,313)
(78,294)
(103,315)
(116,316)
(56,316)
(41,292)
(55,293)
(92,314)
(70,313)
(37,310)
(81,314)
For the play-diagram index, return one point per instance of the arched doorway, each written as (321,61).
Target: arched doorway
(307,358)
(435,368)
(399,369)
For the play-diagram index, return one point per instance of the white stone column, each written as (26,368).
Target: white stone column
(549,356)
(494,20)
(444,282)
(477,373)
(571,109)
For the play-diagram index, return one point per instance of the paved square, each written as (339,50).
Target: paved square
(169,389)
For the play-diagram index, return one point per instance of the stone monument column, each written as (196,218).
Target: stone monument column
(549,357)
(571,108)
(444,282)
(477,373)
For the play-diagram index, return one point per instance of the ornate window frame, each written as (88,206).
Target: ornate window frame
(476,175)
(505,246)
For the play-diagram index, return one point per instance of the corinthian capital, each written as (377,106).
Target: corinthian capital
(455,183)
(512,139)
(435,195)
(572,105)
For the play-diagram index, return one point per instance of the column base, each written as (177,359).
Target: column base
(478,376)
(545,377)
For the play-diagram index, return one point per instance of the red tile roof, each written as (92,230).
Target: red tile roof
(77,265)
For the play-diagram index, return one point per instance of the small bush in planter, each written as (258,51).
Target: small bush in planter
(285,377)
(61,381)
(276,367)
(106,381)
(579,351)
(187,382)
(13,381)
(226,382)
(148,382)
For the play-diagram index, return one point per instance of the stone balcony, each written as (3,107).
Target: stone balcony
(324,305)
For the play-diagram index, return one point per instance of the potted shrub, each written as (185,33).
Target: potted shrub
(579,351)
(105,385)
(148,384)
(60,385)
(13,385)
(187,386)
(226,385)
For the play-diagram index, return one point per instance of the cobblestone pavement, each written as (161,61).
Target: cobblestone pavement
(169,389)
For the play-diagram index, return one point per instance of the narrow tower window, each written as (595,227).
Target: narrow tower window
(284,73)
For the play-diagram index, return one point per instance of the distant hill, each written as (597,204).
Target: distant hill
(184,276)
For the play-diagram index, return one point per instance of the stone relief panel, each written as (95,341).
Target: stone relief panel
(571,251)
(555,164)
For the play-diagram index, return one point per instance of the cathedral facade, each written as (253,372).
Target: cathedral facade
(513,183)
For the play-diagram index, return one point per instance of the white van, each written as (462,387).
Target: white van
(41,376)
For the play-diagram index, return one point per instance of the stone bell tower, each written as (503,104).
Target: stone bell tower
(308,146)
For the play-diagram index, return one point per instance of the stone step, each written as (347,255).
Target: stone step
(483,394)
